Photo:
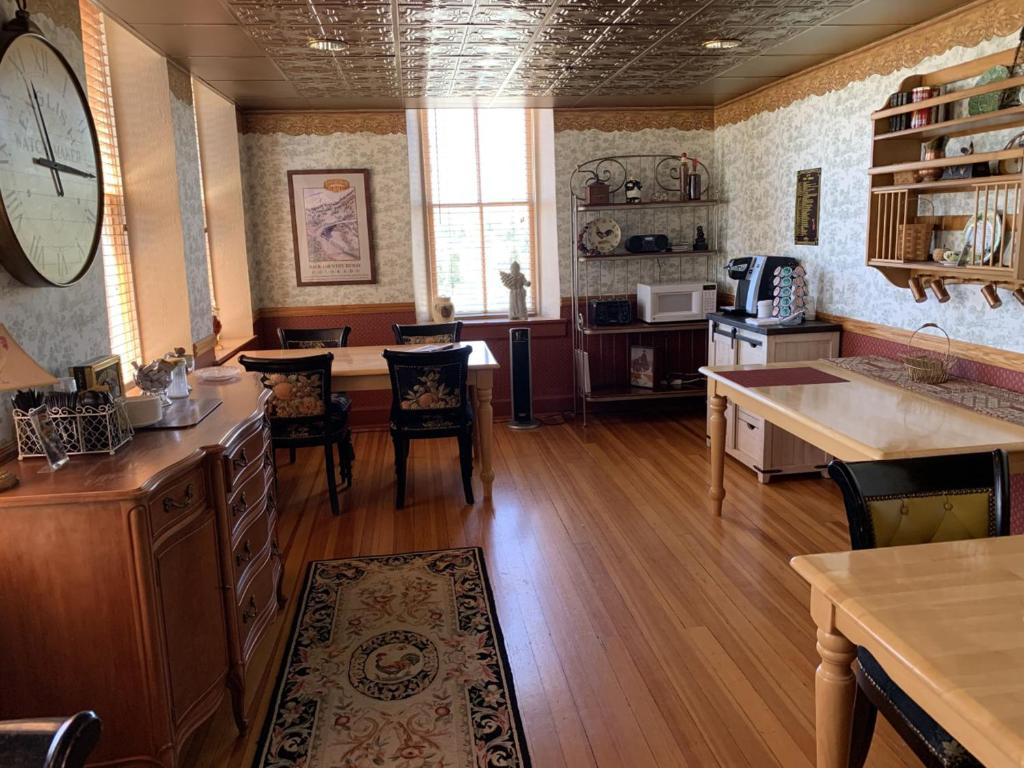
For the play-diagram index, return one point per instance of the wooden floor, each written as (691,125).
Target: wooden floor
(641,631)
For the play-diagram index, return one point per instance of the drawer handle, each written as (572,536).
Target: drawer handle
(750,426)
(241,461)
(250,613)
(170,504)
(245,555)
(239,506)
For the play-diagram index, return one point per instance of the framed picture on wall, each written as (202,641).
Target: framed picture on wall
(332,226)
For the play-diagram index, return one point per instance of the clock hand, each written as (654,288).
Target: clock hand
(49,146)
(39,126)
(55,166)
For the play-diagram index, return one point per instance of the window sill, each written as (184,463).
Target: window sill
(497,327)
(230,347)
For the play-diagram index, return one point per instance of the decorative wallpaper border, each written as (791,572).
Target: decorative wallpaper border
(333,310)
(698,119)
(966,27)
(322,123)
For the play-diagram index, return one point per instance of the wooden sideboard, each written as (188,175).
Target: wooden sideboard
(137,585)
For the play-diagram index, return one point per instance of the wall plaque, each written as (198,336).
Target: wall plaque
(808,206)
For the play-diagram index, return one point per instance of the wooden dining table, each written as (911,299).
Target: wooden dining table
(358,369)
(945,621)
(856,418)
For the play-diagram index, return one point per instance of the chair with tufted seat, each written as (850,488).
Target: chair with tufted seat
(917,501)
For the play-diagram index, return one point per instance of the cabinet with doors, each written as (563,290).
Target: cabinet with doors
(766,449)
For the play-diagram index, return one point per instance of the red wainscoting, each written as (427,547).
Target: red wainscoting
(551,345)
(857,344)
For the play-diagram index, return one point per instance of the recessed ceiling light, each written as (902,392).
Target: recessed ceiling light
(722,43)
(332,44)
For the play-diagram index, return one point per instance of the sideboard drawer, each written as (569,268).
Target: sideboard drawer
(252,541)
(244,453)
(257,604)
(248,496)
(175,499)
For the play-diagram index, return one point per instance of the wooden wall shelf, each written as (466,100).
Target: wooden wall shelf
(899,225)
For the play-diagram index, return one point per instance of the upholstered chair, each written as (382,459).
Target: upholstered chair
(302,413)
(313,338)
(429,400)
(49,742)
(917,501)
(317,338)
(435,333)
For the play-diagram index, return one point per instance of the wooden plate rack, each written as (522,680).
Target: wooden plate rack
(894,220)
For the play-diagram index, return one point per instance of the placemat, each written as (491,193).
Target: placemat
(981,398)
(781,377)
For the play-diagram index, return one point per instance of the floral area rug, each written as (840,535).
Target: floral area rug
(395,661)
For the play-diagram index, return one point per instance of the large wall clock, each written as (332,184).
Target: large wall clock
(51,178)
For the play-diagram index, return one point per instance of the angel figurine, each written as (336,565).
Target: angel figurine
(517,284)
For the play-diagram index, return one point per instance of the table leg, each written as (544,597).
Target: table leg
(485,419)
(834,689)
(475,395)
(716,428)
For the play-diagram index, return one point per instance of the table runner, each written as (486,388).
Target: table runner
(975,396)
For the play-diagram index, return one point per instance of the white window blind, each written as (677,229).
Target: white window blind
(478,176)
(202,198)
(117,266)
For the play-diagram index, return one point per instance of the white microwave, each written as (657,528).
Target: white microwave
(675,302)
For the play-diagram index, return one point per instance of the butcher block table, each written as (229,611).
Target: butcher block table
(364,368)
(848,415)
(945,621)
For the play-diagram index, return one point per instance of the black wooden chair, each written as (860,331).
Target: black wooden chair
(49,742)
(317,338)
(429,399)
(302,412)
(434,333)
(313,338)
(917,501)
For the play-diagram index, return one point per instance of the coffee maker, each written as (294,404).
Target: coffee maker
(753,276)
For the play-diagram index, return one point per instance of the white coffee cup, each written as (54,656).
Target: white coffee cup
(143,410)
(764,308)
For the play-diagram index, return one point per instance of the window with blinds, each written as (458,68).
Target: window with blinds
(117,266)
(478,178)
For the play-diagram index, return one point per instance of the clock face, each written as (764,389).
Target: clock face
(50,176)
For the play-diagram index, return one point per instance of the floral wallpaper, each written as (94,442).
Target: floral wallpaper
(573,147)
(758,160)
(266,159)
(58,327)
(193,221)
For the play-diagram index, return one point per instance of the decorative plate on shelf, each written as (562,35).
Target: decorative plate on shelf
(987,230)
(988,102)
(218,373)
(603,235)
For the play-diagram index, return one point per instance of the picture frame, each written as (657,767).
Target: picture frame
(332,227)
(642,361)
(104,374)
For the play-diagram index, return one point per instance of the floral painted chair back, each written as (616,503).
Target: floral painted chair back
(428,389)
(313,338)
(434,333)
(300,390)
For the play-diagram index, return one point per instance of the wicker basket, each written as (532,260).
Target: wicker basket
(928,368)
(914,241)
